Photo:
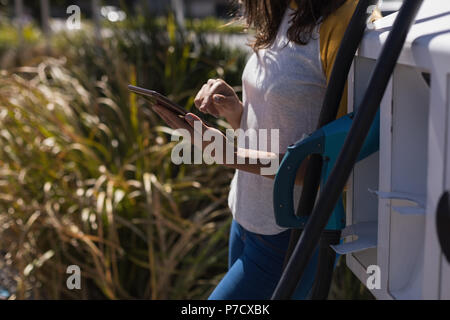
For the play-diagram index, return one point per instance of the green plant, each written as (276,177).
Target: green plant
(16,47)
(86,171)
(212,24)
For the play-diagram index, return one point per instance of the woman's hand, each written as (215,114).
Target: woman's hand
(189,123)
(217,98)
(242,159)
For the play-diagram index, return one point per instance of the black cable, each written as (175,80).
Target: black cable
(325,265)
(335,184)
(443,224)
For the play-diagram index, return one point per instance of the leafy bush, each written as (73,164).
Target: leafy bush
(211,24)
(12,45)
(86,176)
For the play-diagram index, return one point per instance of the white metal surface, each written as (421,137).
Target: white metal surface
(413,165)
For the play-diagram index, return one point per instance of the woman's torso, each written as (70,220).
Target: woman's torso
(283,89)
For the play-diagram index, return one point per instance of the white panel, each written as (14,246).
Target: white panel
(362,206)
(365,178)
(385,185)
(408,175)
(410,131)
(365,172)
(365,204)
(366,238)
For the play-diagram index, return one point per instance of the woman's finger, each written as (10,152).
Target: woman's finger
(213,89)
(211,109)
(198,101)
(221,101)
(192,119)
(208,105)
(172,119)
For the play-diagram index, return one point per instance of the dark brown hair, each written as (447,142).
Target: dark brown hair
(265,16)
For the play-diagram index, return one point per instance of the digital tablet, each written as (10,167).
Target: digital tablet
(159,99)
(163,101)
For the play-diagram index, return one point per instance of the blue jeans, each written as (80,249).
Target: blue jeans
(255,266)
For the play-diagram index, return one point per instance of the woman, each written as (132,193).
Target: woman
(284,85)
